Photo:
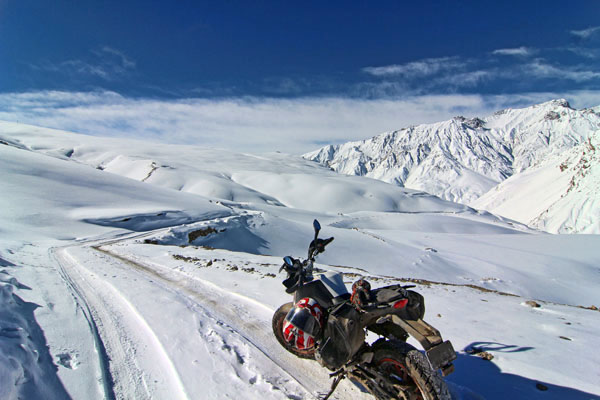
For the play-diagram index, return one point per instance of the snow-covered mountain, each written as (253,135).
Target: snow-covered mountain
(463,159)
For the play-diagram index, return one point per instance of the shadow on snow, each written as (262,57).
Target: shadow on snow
(32,373)
(486,379)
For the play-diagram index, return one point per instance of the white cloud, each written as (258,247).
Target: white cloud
(421,68)
(584,52)
(125,62)
(254,124)
(107,63)
(519,51)
(540,69)
(586,33)
(466,79)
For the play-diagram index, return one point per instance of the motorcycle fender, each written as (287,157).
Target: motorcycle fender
(425,334)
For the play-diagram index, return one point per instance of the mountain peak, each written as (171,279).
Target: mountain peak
(557,103)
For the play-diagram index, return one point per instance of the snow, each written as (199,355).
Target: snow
(140,270)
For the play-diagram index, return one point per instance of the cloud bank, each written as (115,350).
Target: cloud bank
(250,124)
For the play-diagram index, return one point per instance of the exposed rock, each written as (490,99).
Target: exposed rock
(200,233)
(476,351)
(541,387)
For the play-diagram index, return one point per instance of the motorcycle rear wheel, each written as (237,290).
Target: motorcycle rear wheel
(405,366)
(277,323)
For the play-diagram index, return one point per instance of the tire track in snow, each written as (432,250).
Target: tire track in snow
(103,359)
(80,264)
(123,338)
(239,314)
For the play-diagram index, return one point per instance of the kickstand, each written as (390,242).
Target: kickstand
(340,375)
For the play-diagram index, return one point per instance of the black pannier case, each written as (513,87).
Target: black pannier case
(343,337)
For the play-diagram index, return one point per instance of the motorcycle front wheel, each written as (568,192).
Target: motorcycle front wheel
(278,319)
(407,372)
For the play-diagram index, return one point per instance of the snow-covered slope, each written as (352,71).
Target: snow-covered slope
(276,179)
(462,159)
(137,270)
(561,195)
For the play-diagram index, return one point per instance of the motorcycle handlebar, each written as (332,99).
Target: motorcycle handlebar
(318,246)
(298,271)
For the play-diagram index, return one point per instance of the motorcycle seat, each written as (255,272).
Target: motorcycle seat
(340,299)
(388,294)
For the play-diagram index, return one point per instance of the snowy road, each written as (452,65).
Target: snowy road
(202,339)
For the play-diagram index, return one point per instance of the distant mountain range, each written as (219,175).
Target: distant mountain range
(538,165)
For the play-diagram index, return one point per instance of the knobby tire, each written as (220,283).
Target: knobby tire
(402,363)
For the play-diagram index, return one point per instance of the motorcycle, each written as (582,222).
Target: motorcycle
(328,324)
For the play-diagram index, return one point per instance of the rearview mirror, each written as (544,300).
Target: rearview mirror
(317,226)
(288,260)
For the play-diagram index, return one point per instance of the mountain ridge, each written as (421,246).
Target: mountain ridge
(462,159)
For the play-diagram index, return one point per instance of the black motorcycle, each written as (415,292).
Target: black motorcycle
(328,324)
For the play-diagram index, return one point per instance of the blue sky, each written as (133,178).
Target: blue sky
(232,73)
